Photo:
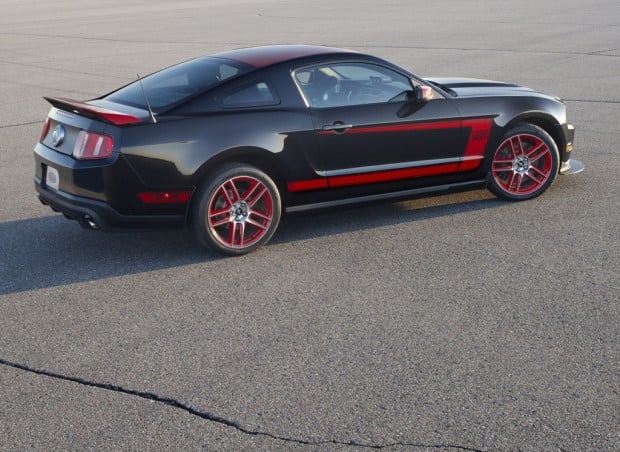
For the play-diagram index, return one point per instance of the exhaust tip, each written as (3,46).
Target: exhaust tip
(90,222)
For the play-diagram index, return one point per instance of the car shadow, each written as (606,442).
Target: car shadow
(340,220)
(50,251)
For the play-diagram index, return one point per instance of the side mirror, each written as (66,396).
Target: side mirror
(423,93)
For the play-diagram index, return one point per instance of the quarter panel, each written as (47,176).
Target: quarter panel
(175,153)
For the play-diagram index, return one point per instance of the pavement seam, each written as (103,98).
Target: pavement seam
(221,420)
(377,46)
(21,124)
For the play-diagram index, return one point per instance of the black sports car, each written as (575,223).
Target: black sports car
(225,143)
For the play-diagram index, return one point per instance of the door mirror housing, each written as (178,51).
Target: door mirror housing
(423,93)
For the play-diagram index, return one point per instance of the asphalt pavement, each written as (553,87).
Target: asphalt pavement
(456,322)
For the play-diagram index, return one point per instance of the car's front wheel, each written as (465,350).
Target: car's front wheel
(524,164)
(238,210)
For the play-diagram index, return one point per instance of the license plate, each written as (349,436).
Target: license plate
(52,179)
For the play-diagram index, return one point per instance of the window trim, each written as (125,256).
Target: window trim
(415,81)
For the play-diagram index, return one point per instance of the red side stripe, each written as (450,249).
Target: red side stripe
(439,125)
(473,156)
(309,184)
(386,176)
(478,139)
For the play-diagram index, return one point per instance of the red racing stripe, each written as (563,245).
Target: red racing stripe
(438,125)
(306,185)
(391,175)
(472,158)
(478,139)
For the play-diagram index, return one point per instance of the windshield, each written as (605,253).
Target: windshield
(178,83)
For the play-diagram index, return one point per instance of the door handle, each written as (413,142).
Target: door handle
(338,127)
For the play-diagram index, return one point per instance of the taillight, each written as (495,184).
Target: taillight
(46,128)
(91,145)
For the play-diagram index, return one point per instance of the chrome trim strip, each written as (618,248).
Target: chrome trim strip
(397,194)
(395,166)
(337,127)
(295,81)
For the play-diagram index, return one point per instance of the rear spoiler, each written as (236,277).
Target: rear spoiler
(93,112)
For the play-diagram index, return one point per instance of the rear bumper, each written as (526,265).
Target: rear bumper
(95,214)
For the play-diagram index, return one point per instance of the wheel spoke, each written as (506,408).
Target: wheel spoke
(502,165)
(519,180)
(256,198)
(515,146)
(257,224)
(535,147)
(231,233)
(227,198)
(233,190)
(543,176)
(520,143)
(533,179)
(217,213)
(512,147)
(265,217)
(541,151)
(250,190)
(220,222)
(241,233)
(508,184)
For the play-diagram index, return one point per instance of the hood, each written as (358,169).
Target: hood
(471,87)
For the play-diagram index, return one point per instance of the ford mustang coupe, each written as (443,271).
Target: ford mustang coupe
(226,143)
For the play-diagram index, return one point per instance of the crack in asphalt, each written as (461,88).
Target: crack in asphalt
(221,420)
(6,126)
(62,70)
(592,101)
(352,46)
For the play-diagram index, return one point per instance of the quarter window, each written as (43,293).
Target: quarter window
(346,84)
(254,94)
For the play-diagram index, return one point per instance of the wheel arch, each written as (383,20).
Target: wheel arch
(546,122)
(257,157)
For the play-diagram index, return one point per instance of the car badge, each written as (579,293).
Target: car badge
(58,135)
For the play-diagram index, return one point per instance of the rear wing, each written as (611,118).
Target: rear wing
(92,111)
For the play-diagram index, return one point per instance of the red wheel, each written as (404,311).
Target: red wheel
(238,211)
(525,163)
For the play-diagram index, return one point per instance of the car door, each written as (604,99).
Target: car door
(368,130)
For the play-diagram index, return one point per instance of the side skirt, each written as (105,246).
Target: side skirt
(460,186)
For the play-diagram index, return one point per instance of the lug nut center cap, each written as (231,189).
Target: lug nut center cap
(521,164)
(239,211)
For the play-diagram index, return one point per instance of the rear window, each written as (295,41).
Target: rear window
(172,86)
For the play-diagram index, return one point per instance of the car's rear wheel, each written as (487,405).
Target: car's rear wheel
(524,164)
(238,210)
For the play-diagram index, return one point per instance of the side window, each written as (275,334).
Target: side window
(345,84)
(255,94)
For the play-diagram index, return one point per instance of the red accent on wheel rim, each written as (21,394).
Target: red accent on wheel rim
(240,212)
(522,164)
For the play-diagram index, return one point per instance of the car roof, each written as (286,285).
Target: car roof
(260,57)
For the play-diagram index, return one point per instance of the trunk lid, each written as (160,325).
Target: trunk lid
(69,117)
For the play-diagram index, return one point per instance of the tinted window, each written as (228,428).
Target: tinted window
(251,95)
(175,84)
(342,84)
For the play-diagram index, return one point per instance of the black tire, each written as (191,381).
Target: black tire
(525,163)
(238,210)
